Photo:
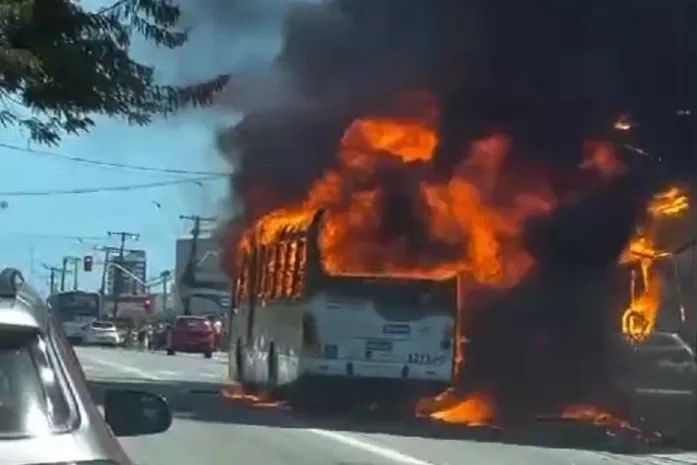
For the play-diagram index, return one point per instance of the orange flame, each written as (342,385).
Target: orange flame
(475,409)
(639,319)
(671,203)
(593,414)
(408,140)
(601,157)
(458,214)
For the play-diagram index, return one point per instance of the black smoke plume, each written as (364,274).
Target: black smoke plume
(550,74)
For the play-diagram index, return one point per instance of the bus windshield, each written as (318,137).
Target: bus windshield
(403,298)
(70,306)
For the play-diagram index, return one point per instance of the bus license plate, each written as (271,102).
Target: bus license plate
(381,346)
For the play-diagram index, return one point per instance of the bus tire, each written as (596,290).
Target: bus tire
(170,351)
(239,363)
(272,371)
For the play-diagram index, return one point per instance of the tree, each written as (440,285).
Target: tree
(61,64)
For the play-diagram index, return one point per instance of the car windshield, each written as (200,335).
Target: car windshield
(193,323)
(103,325)
(31,397)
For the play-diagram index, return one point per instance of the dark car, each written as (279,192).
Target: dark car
(191,334)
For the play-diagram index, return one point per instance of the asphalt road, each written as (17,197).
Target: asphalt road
(211,429)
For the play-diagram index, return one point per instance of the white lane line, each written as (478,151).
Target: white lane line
(124,368)
(385,452)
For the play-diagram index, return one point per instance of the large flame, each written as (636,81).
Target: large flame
(639,319)
(475,409)
(594,414)
(459,216)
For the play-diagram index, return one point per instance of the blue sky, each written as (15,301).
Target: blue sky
(32,228)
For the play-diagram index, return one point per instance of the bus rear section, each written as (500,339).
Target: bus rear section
(378,336)
(75,310)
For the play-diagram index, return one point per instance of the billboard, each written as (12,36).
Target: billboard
(205,285)
(121,283)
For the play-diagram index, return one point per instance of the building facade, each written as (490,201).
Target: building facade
(206,286)
(119,282)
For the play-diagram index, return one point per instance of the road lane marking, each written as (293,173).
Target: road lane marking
(123,368)
(382,451)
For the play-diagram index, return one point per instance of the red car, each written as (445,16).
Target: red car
(191,334)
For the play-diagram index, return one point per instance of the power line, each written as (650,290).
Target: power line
(107,164)
(127,187)
(51,236)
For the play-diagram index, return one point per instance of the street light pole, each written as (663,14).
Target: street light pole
(165,278)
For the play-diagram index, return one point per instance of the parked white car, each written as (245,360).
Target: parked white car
(101,332)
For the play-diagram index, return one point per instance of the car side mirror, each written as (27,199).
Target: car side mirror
(134,413)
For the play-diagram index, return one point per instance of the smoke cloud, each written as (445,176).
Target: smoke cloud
(549,74)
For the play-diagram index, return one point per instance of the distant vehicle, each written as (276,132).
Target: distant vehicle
(74,310)
(193,334)
(295,326)
(46,412)
(101,332)
(658,380)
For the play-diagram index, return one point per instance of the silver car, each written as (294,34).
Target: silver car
(101,332)
(46,413)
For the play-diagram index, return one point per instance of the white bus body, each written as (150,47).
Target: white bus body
(339,336)
(291,326)
(75,310)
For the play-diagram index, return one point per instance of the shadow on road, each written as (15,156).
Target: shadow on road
(201,401)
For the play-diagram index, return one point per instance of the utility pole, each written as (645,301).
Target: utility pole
(165,277)
(63,270)
(52,277)
(117,272)
(107,253)
(189,274)
(75,261)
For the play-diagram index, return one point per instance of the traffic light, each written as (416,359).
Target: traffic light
(87,263)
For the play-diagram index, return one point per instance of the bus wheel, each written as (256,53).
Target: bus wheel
(239,363)
(272,374)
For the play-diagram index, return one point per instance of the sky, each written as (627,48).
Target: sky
(38,231)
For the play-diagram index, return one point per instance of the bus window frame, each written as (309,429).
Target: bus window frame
(280,269)
(289,272)
(261,272)
(300,271)
(253,284)
(270,265)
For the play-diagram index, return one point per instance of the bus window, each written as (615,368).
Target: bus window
(280,269)
(289,273)
(244,277)
(270,270)
(262,271)
(300,259)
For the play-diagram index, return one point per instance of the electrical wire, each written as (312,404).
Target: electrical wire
(128,187)
(107,164)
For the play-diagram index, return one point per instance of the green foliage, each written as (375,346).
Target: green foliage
(64,64)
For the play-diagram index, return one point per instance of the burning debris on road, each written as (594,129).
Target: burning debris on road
(493,140)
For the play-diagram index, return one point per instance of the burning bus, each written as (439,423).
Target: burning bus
(515,144)
(297,325)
